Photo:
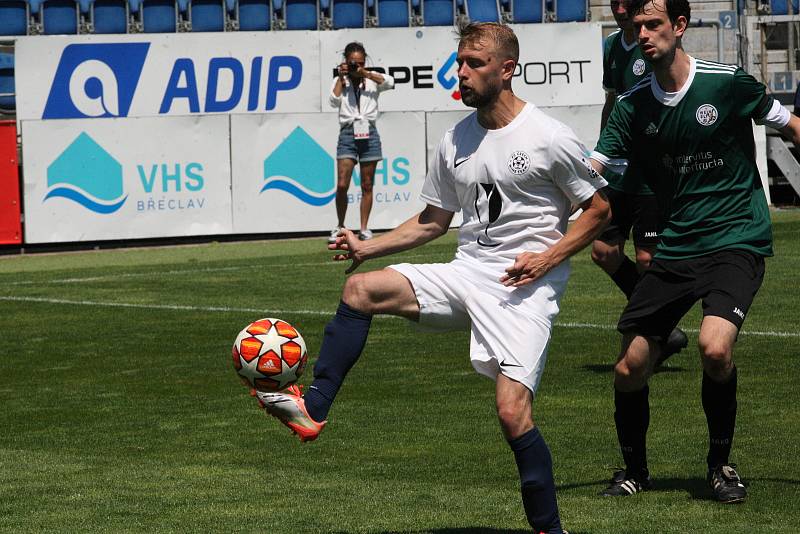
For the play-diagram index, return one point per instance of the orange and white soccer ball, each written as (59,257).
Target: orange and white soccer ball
(269,355)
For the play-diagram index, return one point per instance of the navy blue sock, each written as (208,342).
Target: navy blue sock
(632,417)
(344,339)
(535,467)
(719,404)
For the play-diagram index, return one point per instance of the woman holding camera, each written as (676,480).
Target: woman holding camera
(355,93)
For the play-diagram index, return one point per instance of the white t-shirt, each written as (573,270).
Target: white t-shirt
(514,186)
(366,105)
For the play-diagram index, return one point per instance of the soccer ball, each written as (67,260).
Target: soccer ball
(269,355)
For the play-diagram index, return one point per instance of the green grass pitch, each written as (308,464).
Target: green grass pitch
(120,410)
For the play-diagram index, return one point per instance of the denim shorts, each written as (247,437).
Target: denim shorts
(362,149)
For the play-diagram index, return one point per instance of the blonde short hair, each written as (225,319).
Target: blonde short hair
(501,36)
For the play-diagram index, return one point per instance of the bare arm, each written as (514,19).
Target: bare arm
(792,130)
(611,97)
(530,266)
(426,226)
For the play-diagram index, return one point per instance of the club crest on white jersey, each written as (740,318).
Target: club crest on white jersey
(519,162)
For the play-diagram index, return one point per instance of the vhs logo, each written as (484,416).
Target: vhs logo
(95,80)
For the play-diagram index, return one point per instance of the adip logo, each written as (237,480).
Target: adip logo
(95,80)
(447,78)
(85,173)
(302,168)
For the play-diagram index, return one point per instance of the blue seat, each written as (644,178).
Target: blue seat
(571,10)
(300,14)
(207,15)
(781,7)
(7,98)
(13,17)
(527,11)
(156,16)
(393,13)
(57,17)
(254,15)
(483,10)
(109,16)
(438,12)
(348,14)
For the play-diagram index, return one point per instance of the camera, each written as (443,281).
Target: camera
(352,68)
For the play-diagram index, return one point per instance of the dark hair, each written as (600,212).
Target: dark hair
(501,36)
(355,46)
(675,8)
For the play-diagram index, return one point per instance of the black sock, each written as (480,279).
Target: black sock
(632,417)
(626,276)
(344,339)
(719,403)
(535,467)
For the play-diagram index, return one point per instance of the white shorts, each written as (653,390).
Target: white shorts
(509,327)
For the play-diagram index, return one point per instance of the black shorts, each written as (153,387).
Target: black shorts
(631,212)
(726,281)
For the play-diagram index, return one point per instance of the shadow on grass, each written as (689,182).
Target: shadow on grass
(603,368)
(455,530)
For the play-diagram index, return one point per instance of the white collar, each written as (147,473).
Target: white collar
(673,99)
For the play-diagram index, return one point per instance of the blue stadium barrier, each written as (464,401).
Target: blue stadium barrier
(571,10)
(483,10)
(393,13)
(438,12)
(109,16)
(301,14)
(207,15)
(56,17)
(7,99)
(781,7)
(527,11)
(14,16)
(155,16)
(254,15)
(348,13)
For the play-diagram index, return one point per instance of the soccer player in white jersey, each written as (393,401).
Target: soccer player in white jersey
(513,172)
(689,124)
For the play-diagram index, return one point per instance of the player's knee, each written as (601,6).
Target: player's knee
(604,255)
(716,355)
(356,293)
(631,371)
(643,258)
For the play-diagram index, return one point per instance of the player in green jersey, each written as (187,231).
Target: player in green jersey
(633,206)
(689,125)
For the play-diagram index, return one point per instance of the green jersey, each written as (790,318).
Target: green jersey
(697,153)
(623,67)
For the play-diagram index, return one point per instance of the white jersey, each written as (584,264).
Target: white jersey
(514,185)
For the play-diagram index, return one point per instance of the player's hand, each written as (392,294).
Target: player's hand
(348,244)
(528,267)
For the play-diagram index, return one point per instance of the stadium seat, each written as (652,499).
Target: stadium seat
(300,14)
(14,17)
(438,12)
(570,10)
(7,97)
(393,13)
(109,16)
(348,13)
(207,15)
(781,7)
(254,15)
(155,16)
(483,10)
(527,11)
(56,17)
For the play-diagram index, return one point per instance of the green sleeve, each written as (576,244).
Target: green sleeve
(616,139)
(750,95)
(608,82)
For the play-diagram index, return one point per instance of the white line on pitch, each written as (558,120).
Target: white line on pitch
(227,309)
(329,263)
